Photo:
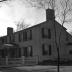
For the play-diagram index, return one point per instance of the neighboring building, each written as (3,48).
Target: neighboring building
(39,42)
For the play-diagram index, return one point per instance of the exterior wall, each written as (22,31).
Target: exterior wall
(37,41)
(53,56)
(68,46)
(61,34)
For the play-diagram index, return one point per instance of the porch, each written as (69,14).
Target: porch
(12,56)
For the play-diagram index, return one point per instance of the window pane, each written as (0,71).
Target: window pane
(46,33)
(19,37)
(30,51)
(42,32)
(24,36)
(49,49)
(30,34)
(25,51)
(44,49)
(49,33)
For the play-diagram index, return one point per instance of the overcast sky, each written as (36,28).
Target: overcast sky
(15,11)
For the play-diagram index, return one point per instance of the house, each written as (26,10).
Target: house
(39,43)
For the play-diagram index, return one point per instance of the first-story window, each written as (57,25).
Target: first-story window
(28,51)
(46,49)
(49,49)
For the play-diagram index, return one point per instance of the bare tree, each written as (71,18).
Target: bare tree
(21,25)
(42,3)
(66,11)
(63,15)
(66,7)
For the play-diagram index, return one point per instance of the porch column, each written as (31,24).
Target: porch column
(6,60)
(7,55)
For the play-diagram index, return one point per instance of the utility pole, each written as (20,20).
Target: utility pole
(58,56)
(58,60)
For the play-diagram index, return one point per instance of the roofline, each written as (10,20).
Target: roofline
(35,26)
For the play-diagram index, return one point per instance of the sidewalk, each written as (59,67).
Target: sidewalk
(45,68)
(38,68)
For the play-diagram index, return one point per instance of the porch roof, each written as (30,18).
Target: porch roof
(9,46)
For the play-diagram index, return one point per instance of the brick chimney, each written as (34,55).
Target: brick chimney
(9,31)
(50,14)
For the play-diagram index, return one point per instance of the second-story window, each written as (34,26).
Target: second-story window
(24,36)
(19,37)
(49,33)
(29,35)
(13,38)
(9,39)
(46,33)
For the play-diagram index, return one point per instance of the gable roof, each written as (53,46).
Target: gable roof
(37,25)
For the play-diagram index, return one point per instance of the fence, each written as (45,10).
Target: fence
(18,61)
(31,60)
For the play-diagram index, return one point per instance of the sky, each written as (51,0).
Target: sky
(17,10)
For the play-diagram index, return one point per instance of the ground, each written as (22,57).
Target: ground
(37,69)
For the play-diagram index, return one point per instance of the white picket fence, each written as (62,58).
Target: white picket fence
(18,61)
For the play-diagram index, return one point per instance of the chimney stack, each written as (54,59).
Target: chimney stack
(9,31)
(50,14)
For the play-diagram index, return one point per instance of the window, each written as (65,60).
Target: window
(25,51)
(49,49)
(46,49)
(42,32)
(9,39)
(27,35)
(24,36)
(30,34)
(13,38)
(19,49)
(49,33)
(19,37)
(28,51)
(46,33)
(5,39)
